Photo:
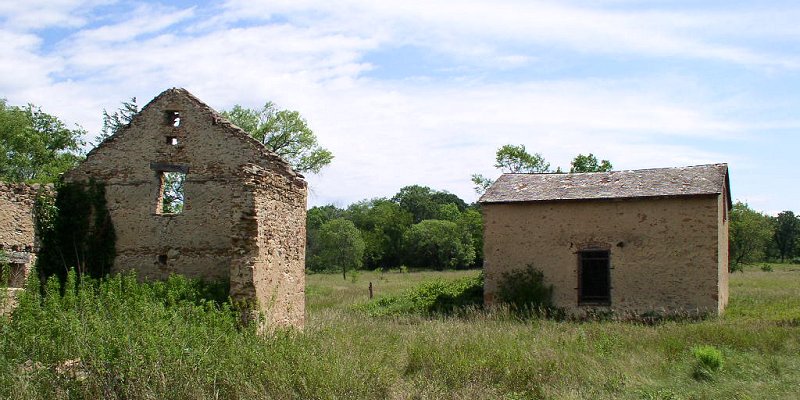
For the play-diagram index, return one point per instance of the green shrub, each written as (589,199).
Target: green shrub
(433,297)
(737,267)
(766,267)
(708,360)
(525,290)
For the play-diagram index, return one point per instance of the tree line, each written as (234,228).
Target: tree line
(417,227)
(757,237)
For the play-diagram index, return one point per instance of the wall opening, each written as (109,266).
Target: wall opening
(16,276)
(173,118)
(172,140)
(172,196)
(594,277)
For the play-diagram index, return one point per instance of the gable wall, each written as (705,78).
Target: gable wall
(664,252)
(206,238)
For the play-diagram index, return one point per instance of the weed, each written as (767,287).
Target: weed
(708,360)
(766,267)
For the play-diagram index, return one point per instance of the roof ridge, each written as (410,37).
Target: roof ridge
(616,171)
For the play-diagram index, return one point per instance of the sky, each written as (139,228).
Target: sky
(424,92)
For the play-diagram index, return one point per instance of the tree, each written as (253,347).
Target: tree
(36,146)
(787,231)
(471,222)
(481,183)
(424,203)
(382,224)
(341,245)
(284,132)
(589,163)
(315,218)
(516,159)
(512,159)
(438,244)
(750,232)
(116,121)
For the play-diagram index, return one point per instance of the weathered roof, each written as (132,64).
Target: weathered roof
(657,182)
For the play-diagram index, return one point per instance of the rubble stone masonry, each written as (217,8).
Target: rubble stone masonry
(243,215)
(17,228)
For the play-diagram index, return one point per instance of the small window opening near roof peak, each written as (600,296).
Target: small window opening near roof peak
(173,118)
(172,140)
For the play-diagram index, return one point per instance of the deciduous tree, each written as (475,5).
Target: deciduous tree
(750,232)
(36,146)
(589,163)
(516,159)
(787,231)
(285,132)
(438,244)
(341,246)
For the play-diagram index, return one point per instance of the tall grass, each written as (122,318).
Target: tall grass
(123,339)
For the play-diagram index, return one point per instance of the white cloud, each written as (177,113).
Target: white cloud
(473,28)
(428,130)
(38,14)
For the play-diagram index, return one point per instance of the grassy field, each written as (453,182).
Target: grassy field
(125,341)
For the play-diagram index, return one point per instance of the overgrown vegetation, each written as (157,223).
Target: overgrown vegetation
(123,339)
(75,230)
(436,297)
(525,290)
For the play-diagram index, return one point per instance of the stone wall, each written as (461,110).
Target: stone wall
(17,228)
(665,254)
(240,201)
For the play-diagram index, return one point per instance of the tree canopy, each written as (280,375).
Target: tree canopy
(787,232)
(750,232)
(114,122)
(284,132)
(589,163)
(438,244)
(36,146)
(516,159)
(341,246)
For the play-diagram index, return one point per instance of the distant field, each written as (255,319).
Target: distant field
(131,345)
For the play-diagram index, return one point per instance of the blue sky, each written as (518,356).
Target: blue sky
(424,92)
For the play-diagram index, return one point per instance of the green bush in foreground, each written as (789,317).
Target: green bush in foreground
(525,290)
(708,360)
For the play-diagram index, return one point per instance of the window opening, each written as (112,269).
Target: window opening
(595,277)
(16,276)
(172,192)
(174,118)
(162,259)
(172,140)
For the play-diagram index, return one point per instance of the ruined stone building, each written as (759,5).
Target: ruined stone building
(629,241)
(17,229)
(189,193)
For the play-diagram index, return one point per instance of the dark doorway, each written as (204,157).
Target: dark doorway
(594,277)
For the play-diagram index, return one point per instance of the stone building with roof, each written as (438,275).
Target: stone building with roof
(190,193)
(628,241)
